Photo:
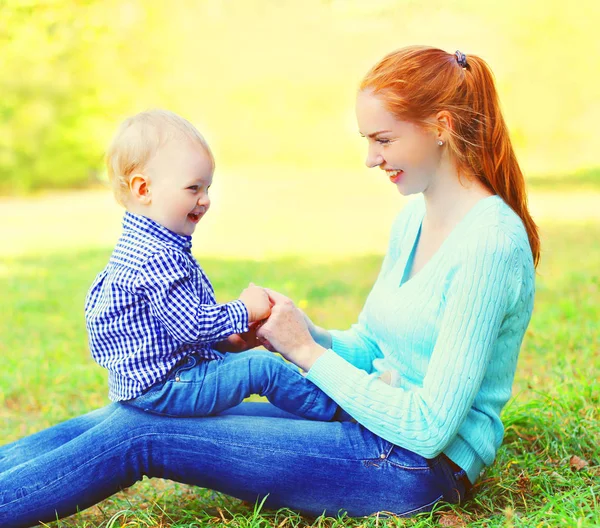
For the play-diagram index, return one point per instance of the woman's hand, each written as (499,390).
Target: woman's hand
(320,335)
(240,342)
(286,331)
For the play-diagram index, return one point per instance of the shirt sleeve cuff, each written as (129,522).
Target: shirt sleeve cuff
(238,316)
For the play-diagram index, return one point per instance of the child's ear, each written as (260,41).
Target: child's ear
(140,189)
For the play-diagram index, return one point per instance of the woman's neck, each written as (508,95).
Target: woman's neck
(450,198)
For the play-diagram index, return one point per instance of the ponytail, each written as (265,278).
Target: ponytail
(494,161)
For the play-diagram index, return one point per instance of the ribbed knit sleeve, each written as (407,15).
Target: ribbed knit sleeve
(356,347)
(480,288)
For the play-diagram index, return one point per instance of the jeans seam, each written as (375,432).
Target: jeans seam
(309,404)
(278,450)
(410,468)
(416,510)
(65,475)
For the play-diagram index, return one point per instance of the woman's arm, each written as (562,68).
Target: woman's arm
(353,345)
(320,335)
(424,419)
(286,332)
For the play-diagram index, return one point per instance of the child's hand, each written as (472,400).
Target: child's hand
(240,342)
(257,302)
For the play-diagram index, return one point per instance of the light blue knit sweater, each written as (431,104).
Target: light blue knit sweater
(451,335)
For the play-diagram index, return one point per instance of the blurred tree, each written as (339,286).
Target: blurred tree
(67,69)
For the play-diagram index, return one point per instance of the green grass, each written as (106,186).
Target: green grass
(48,376)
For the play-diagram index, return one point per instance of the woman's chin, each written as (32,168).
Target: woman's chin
(406,191)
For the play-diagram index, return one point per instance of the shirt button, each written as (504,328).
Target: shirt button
(177,378)
(239,326)
(382,456)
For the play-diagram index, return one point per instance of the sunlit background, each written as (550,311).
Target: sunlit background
(271,84)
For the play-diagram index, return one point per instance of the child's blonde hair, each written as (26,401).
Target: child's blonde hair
(138,139)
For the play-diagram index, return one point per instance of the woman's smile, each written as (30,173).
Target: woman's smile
(394,175)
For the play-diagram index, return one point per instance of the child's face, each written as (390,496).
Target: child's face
(180,175)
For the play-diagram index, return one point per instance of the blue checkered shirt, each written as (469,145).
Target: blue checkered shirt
(151,306)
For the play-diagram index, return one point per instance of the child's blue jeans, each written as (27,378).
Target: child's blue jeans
(200,387)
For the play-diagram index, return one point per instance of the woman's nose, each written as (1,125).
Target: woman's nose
(374,159)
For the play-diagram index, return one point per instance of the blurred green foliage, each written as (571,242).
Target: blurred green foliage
(55,91)
(272,82)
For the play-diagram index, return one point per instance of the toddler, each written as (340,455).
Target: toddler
(151,314)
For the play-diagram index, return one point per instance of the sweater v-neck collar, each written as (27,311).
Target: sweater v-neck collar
(414,235)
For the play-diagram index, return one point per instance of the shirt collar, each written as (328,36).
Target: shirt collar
(146,226)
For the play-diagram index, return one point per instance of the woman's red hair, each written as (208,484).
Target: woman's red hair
(418,82)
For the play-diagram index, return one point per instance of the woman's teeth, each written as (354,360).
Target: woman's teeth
(394,175)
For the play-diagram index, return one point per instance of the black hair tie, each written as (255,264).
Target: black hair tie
(461,58)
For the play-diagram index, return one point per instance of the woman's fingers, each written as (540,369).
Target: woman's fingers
(285,330)
(276,297)
(262,339)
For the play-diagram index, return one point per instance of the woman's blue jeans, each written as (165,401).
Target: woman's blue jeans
(252,451)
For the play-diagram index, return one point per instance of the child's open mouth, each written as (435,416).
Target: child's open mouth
(195,218)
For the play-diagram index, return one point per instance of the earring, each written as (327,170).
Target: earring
(440,142)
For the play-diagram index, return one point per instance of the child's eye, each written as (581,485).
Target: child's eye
(194,188)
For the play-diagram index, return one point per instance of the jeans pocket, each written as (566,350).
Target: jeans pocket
(180,393)
(405,459)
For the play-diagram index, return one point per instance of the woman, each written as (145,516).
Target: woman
(424,373)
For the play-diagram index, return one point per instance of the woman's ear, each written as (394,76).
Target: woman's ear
(444,125)
(140,189)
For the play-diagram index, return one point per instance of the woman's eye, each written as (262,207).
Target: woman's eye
(383,141)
